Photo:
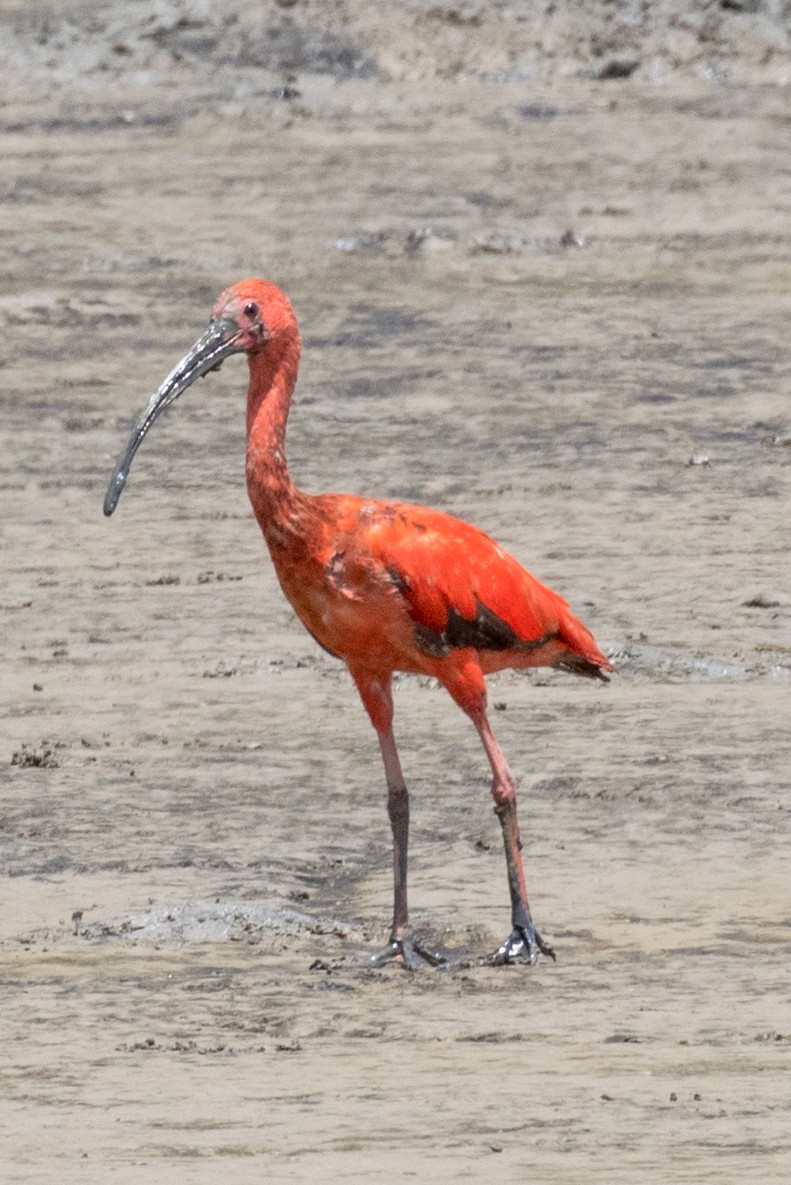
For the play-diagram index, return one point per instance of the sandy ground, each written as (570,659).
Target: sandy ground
(194,851)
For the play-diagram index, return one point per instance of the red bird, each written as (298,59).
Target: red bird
(384,586)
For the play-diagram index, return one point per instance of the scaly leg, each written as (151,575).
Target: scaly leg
(405,950)
(398,811)
(524,942)
(379,703)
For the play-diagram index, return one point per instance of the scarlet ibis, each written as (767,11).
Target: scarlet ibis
(384,586)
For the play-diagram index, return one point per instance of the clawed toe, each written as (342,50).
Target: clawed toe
(523,945)
(408,953)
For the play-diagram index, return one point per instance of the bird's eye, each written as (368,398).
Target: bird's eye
(251,311)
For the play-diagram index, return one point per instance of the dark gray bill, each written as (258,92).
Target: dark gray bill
(220,339)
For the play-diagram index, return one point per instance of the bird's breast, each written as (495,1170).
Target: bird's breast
(348,606)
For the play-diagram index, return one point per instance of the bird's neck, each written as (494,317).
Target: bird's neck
(273,375)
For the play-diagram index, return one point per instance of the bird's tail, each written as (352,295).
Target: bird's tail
(583,666)
(583,656)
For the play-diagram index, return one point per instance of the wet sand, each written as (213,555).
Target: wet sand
(194,846)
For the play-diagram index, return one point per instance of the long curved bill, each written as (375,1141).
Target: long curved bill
(220,339)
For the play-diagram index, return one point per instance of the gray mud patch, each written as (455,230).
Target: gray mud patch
(211,921)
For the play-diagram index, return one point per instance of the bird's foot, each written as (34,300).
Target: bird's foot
(523,945)
(408,953)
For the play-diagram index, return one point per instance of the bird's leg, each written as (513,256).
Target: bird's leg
(377,695)
(398,811)
(524,942)
(400,947)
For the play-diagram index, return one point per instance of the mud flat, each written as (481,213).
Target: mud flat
(546,296)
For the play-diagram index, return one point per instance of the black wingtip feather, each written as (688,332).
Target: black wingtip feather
(577,665)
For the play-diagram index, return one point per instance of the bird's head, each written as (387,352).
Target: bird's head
(252,315)
(248,318)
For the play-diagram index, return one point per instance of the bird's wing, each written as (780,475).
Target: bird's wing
(457,586)
(460,587)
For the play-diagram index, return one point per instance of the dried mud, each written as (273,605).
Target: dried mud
(557,306)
